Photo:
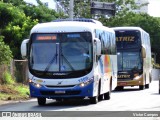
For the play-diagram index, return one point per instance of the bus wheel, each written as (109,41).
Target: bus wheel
(100,97)
(41,101)
(94,100)
(107,95)
(147,86)
(150,78)
(141,87)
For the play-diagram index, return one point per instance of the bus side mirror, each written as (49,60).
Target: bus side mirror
(143,52)
(24,48)
(98,46)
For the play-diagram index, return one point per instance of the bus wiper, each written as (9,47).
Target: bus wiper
(67,62)
(52,60)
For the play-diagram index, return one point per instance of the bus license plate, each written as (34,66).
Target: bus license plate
(123,83)
(60,92)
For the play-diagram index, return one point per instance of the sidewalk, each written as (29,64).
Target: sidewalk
(9,102)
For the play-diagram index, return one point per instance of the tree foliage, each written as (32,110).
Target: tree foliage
(5,52)
(40,12)
(82,7)
(17,19)
(15,26)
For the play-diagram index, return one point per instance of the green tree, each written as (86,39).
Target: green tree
(17,19)
(82,7)
(40,12)
(15,26)
(5,52)
(14,2)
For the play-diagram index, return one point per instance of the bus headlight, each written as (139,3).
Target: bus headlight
(137,77)
(83,84)
(37,85)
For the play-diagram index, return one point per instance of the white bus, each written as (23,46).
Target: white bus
(134,57)
(71,59)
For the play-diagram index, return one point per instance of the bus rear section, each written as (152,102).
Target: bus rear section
(65,62)
(134,57)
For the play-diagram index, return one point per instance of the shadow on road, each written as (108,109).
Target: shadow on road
(73,102)
(66,104)
(127,90)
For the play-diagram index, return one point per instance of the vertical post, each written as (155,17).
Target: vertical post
(71,9)
(12,68)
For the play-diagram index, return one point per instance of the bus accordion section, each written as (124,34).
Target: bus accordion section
(134,57)
(71,59)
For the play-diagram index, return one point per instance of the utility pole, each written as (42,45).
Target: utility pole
(71,9)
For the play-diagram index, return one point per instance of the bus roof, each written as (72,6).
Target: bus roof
(128,28)
(79,20)
(66,26)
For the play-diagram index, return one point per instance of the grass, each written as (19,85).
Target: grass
(14,92)
(22,89)
(11,90)
(7,78)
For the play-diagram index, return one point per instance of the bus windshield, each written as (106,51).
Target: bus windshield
(129,61)
(128,39)
(61,52)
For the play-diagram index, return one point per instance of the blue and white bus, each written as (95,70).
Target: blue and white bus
(71,59)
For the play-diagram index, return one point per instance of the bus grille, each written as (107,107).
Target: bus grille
(75,92)
(125,79)
(64,86)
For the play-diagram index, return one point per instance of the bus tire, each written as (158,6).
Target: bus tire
(159,91)
(107,96)
(141,87)
(100,97)
(147,86)
(150,78)
(94,100)
(41,101)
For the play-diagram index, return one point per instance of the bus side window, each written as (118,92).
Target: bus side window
(106,43)
(113,44)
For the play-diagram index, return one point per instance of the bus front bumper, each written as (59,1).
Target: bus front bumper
(131,82)
(61,92)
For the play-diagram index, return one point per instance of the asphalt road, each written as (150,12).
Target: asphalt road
(129,102)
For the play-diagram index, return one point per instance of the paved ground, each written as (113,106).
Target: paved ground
(9,102)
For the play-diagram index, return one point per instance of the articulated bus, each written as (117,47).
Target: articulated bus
(71,59)
(134,57)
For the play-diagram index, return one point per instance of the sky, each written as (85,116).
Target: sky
(153,7)
(50,5)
